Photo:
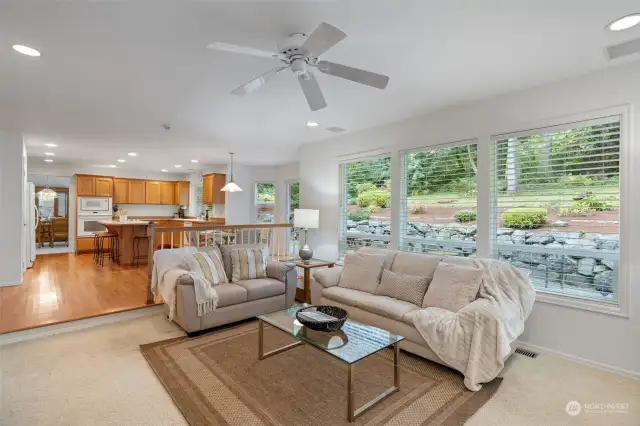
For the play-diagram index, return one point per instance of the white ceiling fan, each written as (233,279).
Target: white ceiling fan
(299,53)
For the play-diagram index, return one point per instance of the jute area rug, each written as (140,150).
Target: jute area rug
(217,379)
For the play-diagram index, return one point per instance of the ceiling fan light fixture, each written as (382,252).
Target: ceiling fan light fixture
(231,186)
(625,22)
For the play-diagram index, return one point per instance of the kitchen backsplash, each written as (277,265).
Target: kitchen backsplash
(148,209)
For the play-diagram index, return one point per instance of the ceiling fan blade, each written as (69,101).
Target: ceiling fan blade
(369,78)
(257,82)
(312,91)
(228,47)
(322,39)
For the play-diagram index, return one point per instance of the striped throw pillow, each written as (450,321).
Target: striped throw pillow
(208,264)
(249,264)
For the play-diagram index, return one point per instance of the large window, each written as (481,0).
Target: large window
(556,207)
(293,202)
(365,213)
(438,203)
(265,203)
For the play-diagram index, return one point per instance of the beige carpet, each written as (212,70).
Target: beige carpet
(98,377)
(217,379)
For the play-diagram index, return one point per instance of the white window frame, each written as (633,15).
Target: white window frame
(287,190)
(254,203)
(626,154)
(403,213)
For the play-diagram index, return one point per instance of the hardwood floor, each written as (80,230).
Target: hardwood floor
(67,287)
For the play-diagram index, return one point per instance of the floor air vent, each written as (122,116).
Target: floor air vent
(526,352)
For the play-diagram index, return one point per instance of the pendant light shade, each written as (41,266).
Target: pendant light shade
(231,186)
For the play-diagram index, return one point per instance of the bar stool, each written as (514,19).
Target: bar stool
(136,248)
(113,254)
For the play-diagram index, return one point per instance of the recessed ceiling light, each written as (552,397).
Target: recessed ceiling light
(177,166)
(25,50)
(113,166)
(51,145)
(625,22)
(132,154)
(48,160)
(164,170)
(50,154)
(121,160)
(312,124)
(194,161)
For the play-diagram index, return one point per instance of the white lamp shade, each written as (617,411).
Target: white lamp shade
(306,218)
(231,187)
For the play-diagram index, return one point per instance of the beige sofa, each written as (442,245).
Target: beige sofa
(383,311)
(236,301)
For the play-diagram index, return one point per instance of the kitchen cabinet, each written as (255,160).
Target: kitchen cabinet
(219,181)
(121,191)
(136,192)
(153,192)
(207,189)
(182,190)
(104,187)
(167,193)
(86,186)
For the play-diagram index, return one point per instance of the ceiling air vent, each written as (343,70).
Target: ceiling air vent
(620,50)
(334,129)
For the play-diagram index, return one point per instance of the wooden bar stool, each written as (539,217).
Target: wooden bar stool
(112,254)
(136,248)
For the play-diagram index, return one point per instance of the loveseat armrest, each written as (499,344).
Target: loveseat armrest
(285,272)
(328,277)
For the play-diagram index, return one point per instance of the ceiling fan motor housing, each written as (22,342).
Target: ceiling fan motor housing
(292,45)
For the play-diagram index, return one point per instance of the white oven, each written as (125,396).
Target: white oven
(94,206)
(87,225)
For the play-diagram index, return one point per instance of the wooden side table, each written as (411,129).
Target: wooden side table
(313,263)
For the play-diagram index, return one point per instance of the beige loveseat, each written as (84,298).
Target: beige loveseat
(384,312)
(236,301)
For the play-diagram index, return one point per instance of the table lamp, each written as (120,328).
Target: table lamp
(306,219)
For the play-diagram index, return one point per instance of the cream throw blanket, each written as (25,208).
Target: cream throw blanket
(168,267)
(476,339)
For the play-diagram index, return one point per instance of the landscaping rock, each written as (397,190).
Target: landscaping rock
(375,223)
(472,230)
(351,224)
(545,275)
(504,239)
(531,258)
(505,231)
(577,280)
(539,238)
(421,227)
(363,222)
(610,245)
(603,282)
(519,236)
(611,264)
(363,228)
(562,237)
(561,263)
(581,244)
(599,268)
(585,266)
(560,224)
(386,230)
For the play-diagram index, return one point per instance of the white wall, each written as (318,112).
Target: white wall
(597,338)
(11,208)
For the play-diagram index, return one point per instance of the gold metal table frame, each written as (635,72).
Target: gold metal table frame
(352,413)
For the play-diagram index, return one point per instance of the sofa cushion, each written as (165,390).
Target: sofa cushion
(361,271)
(208,265)
(226,254)
(262,288)
(230,294)
(421,265)
(249,263)
(409,288)
(453,287)
(381,305)
(389,255)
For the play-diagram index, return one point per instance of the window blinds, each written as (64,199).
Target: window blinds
(365,197)
(556,199)
(438,201)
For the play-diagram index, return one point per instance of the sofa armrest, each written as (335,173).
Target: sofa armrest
(285,272)
(328,277)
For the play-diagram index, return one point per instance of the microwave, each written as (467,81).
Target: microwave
(94,206)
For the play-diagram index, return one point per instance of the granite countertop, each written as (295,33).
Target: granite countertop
(127,223)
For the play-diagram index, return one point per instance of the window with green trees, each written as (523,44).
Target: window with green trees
(265,202)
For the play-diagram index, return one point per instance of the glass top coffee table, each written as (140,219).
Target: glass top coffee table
(352,343)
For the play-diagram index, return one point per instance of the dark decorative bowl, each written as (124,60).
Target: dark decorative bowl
(326,326)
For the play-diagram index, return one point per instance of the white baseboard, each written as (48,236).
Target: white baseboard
(10,283)
(573,358)
(50,330)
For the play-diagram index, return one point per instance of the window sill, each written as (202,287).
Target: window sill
(582,304)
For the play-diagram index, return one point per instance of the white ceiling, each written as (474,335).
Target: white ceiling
(113,71)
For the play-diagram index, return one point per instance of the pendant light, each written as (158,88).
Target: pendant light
(47,193)
(231,186)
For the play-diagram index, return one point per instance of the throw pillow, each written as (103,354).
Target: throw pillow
(249,264)
(361,271)
(409,288)
(453,287)
(207,264)
(226,250)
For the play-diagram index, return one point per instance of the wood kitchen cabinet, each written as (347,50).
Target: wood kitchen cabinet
(219,181)
(182,190)
(104,187)
(207,189)
(86,186)
(167,195)
(153,192)
(136,192)
(121,191)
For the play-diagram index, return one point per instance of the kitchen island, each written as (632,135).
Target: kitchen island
(126,231)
